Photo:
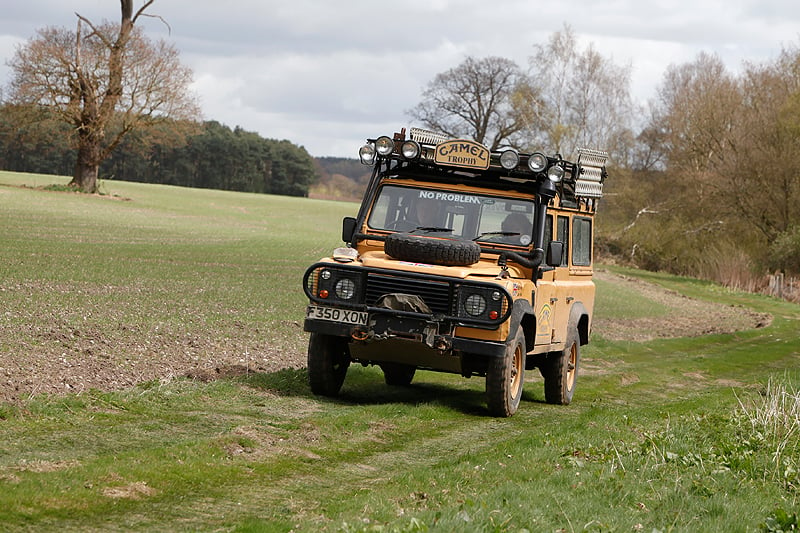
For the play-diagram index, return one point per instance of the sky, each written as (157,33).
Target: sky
(327,75)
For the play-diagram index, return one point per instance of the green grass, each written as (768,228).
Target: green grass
(667,435)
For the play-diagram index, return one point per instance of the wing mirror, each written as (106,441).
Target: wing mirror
(554,252)
(348,228)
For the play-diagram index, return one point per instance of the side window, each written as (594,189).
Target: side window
(548,231)
(563,236)
(581,241)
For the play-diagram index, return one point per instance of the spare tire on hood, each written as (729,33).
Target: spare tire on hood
(432,250)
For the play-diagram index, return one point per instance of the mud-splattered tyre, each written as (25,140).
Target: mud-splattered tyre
(328,360)
(505,377)
(398,375)
(432,250)
(560,370)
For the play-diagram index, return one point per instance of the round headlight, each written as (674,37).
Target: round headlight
(410,149)
(345,289)
(384,145)
(509,159)
(475,305)
(367,154)
(555,173)
(537,162)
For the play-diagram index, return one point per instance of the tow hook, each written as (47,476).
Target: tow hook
(360,335)
(443,344)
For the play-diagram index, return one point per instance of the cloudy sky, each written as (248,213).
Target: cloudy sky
(326,75)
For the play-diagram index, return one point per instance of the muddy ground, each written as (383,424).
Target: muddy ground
(55,356)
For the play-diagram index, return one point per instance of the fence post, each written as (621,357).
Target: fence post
(776,285)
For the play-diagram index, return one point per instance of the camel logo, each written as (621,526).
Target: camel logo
(545,316)
(462,153)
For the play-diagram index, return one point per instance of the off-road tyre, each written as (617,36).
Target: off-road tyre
(560,370)
(328,360)
(432,250)
(398,375)
(505,377)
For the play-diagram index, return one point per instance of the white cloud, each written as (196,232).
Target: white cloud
(326,75)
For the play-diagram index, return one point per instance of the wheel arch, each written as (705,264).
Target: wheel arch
(523,315)
(579,316)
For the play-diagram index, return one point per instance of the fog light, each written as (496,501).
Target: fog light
(493,315)
(323,293)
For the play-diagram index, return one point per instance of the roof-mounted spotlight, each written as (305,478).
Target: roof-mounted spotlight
(384,145)
(509,159)
(555,173)
(367,154)
(410,149)
(537,162)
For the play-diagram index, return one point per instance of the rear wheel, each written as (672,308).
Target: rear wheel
(560,370)
(328,359)
(397,374)
(504,378)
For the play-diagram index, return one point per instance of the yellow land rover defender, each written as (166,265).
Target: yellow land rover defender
(460,260)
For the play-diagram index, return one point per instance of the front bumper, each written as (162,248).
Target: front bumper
(387,325)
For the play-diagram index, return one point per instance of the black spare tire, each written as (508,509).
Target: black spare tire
(432,250)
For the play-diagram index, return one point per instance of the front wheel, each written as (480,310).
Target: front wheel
(328,359)
(504,378)
(560,370)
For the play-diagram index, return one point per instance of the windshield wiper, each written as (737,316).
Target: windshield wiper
(429,228)
(501,233)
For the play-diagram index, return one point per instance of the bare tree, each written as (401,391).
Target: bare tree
(476,100)
(733,142)
(104,80)
(582,99)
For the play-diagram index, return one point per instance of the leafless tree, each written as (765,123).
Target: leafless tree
(104,80)
(582,98)
(474,100)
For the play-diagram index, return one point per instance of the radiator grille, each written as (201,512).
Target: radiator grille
(435,294)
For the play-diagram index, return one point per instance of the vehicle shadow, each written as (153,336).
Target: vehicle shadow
(366,386)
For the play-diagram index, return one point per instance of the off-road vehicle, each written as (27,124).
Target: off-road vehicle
(460,260)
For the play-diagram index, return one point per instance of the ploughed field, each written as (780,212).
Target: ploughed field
(150,283)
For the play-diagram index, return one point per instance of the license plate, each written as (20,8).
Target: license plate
(333,314)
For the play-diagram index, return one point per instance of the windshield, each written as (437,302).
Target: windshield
(489,219)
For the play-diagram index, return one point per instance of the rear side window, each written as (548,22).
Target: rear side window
(581,241)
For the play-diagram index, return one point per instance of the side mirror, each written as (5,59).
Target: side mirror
(554,252)
(348,228)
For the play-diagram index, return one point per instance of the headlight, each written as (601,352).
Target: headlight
(509,159)
(537,162)
(475,305)
(384,145)
(555,173)
(410,149)
(345,289)
(367,154)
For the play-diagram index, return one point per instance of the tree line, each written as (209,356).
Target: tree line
(704,178)
(207,155)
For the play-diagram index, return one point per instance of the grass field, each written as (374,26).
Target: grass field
(685,434)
